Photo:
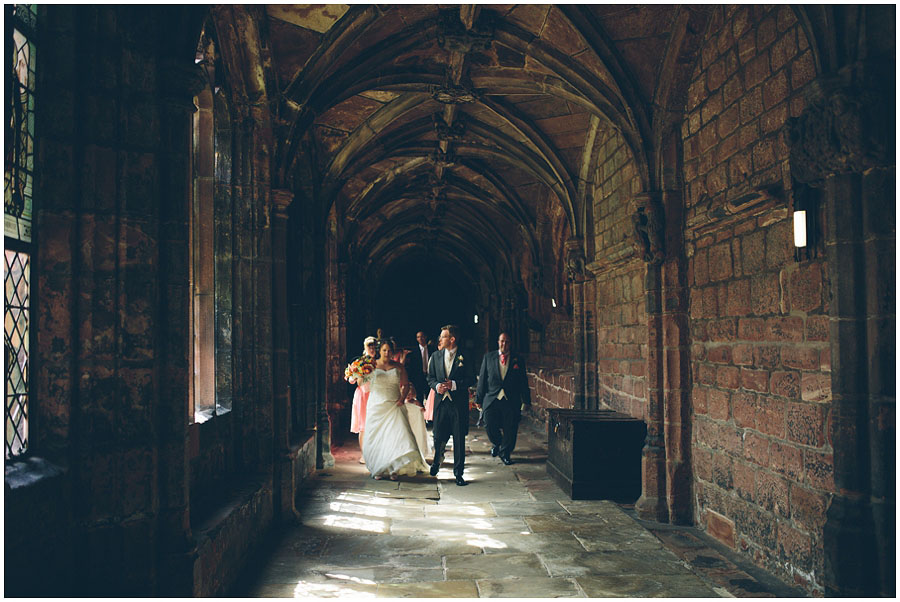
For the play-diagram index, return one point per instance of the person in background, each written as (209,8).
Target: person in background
(417,365)
(429,402)
(360,397)
(503,393)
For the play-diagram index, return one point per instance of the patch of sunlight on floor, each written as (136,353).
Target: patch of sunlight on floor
(481,524)
(483,541)
(472,510)
(352,496)
(358,509)
(355,523)
(329,590)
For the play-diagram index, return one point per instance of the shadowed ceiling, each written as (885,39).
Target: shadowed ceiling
(465,126)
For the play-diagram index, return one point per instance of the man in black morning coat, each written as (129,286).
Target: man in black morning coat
(503,393)
(450,375)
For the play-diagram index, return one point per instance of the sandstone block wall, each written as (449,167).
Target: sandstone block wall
(760,355)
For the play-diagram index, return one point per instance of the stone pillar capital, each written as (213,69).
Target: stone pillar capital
(575,259)
(647,221)
(282,199)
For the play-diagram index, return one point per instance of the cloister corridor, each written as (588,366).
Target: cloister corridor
(679,218)
(511,533)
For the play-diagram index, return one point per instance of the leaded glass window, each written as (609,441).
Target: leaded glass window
(18,188)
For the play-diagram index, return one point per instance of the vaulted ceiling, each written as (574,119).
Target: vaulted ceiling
(465,126)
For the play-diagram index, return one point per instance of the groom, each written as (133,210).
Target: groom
(450,375)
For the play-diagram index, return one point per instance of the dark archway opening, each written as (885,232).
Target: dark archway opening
(421,292)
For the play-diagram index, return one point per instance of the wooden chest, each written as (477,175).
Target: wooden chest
(596,454)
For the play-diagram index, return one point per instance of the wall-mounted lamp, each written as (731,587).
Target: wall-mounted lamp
(476,318)
(805,227)
(553,302)
(800,228)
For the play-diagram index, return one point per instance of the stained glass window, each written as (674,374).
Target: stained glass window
(18,186)
(18,178)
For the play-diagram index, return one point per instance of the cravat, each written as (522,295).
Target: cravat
(503,358)
(448,364)
(424,360)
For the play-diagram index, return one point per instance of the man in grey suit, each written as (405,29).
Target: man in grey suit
(503,393)
(450,375)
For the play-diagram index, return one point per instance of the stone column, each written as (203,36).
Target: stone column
(841,146)
(653,504)
(181,83)
(284,479)
(575,266)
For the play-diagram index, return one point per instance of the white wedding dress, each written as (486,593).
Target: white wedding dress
(390,446)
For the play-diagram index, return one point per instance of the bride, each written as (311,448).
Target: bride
(391,448)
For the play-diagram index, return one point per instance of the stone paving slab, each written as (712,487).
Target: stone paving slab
(459,510)
(480,492)
(370,509)
(507,565)
(349,523)
(333,589)
(566,522)
(589,506)
(529,587)
(401,545)
(645,586)
(610,539)
(559,544)
(438,589)
(440,527)
(526,508)
(644,562)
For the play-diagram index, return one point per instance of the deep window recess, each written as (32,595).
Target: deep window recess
(18,185)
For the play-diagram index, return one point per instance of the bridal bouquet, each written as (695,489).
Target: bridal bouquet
(359,370)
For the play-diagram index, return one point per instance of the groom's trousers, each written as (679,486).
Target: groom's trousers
(450,421)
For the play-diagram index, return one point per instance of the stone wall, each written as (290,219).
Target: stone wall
(620,303)
(760,354)
(550,388)
(117,476)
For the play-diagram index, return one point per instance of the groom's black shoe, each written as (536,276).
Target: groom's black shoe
(435,467)
(461,481)
(506,460)
(495,451)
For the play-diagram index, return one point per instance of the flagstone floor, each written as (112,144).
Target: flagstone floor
(510,533)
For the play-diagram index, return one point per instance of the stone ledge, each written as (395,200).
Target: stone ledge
(30,472)
(230,530)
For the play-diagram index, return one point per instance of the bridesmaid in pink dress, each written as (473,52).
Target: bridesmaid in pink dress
(429,403)
(358,412)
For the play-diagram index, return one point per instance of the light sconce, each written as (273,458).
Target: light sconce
(553,302)
(800,228)
(805,227)
(476,318)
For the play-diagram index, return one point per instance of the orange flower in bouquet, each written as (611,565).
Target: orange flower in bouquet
(359,370)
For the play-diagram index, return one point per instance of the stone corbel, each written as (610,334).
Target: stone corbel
(842,130)
(575,260)
(647,219)
(281,200)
